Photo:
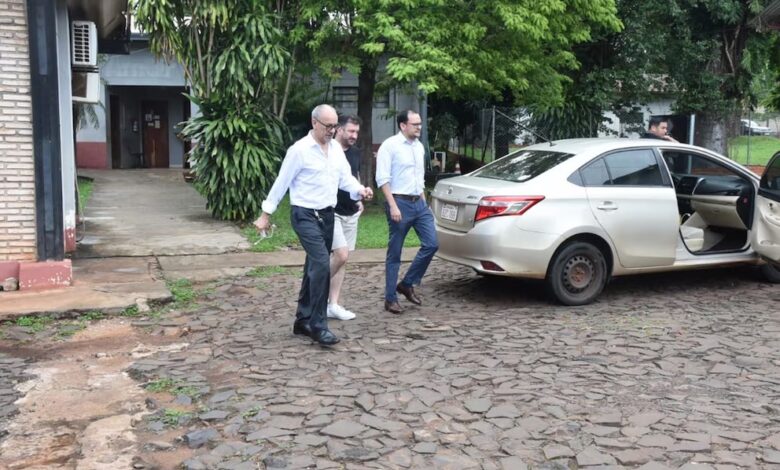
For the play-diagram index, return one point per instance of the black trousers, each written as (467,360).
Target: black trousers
(315,232)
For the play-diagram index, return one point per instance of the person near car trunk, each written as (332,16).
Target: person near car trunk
(314,169)
(658,128)
(400,173)
(345,222)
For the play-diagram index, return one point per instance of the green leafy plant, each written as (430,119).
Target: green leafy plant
(161,385)
(182,291)
(238,153)
(267,271)
(232,56)
(171,417)
(92,315)
(131,311)
(34,323)
(252,411)
(174,387)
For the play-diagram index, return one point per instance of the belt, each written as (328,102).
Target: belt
(324,210)
(406,197)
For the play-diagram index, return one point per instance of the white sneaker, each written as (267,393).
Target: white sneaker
(339,313)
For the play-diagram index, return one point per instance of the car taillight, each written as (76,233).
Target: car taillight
(492,206)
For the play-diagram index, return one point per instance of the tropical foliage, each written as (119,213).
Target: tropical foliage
(233,60)
(454,48)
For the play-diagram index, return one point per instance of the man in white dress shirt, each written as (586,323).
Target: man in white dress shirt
(400,174)
(314,169)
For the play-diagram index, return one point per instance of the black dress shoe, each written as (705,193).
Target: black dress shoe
(301,328)
(408,292)
(324,337)
(393,307)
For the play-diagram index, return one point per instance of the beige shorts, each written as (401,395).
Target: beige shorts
(345,231)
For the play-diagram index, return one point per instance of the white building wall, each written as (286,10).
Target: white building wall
(383,123)
(659,107)
(136,77)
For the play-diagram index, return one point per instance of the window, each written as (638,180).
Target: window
(626,168)
(595,174)
(345,96)
(682,163)
(634,168)
(771,177)
(522,165)
(382,100)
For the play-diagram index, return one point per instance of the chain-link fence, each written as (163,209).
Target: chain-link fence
(759,139)
(498,131)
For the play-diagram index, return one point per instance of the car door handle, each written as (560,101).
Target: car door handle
(607,206)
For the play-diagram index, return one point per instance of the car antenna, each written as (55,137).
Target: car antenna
(525,128)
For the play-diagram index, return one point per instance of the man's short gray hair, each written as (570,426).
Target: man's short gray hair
(317,111)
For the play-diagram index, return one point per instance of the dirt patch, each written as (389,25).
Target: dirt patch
(79,409)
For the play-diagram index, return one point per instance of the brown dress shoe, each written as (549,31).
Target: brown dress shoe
(393,307)
(408,292)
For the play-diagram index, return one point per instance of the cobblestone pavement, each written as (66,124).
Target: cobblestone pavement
(669,371)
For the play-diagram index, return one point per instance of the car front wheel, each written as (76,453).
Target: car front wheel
(771,272)
(577,274)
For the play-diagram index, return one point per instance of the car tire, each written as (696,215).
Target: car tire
(577,274)
(771,272)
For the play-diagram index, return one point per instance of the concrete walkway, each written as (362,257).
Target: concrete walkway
(150,213)
(115,283)
(144,227)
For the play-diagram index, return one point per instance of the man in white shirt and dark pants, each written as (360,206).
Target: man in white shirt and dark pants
(314,169)
(400,173)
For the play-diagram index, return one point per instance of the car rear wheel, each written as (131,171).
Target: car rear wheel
(771,272)
(577,274)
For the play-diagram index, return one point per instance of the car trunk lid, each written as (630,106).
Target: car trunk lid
(454,201)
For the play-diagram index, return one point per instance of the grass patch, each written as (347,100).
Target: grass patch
(268,271)
(182,291)
(171,417)
(251,412)
(761,149)
(131,311)
(161,385)
(85,187)
(174,387)
(34,324)
(372,229)
(92,315)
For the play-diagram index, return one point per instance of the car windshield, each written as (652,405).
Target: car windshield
(522,165)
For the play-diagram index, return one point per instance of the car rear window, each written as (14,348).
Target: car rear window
(522,165)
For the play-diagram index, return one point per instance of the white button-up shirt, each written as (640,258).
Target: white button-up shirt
(312,178)
(400,162)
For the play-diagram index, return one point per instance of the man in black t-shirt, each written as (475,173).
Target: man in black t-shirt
(346,218)
(658,128)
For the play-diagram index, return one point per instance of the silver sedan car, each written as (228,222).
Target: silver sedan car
(577,212)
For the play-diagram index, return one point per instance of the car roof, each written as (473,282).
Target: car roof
(586,148)
(600,144)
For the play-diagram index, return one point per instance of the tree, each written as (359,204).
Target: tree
(455,48)
(704,54)
(234,62)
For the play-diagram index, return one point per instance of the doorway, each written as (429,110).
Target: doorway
(154,116)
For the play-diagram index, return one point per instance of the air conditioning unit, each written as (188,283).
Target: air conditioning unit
(85,87)
(83,39)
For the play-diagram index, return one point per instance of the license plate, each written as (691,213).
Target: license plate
(449,212)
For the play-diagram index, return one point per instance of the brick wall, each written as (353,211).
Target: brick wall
(17,183)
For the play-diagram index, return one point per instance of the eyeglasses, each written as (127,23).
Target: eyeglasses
(328,127)
(414,124)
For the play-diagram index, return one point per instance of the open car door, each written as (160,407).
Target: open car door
(765,236)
